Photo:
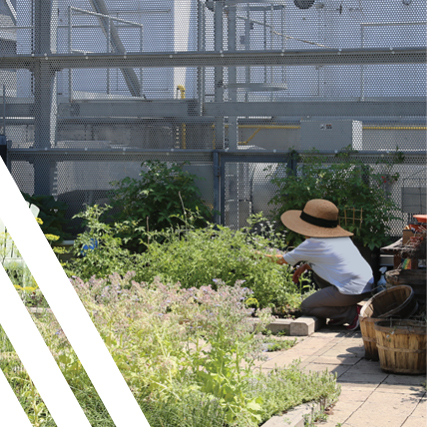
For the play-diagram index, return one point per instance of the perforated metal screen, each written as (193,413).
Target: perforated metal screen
(88,82)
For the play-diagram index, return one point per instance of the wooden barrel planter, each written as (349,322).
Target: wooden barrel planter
(397,301)
(416,279)
(401,346)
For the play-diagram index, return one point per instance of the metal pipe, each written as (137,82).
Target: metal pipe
(201,47)
(87,12)
(4,109)
(216,187)
(70,50)
(108,51)
(181,88)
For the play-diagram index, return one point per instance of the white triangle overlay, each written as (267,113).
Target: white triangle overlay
(12,413)
(71,315)
(37,359)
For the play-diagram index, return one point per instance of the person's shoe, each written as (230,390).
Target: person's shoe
(333,322)
(355,323)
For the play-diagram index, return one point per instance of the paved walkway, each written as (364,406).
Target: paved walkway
(369,397)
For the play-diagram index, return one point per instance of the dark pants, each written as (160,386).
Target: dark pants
(329,303)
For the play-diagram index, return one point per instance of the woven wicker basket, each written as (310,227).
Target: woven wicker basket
(397,301)
(401,346)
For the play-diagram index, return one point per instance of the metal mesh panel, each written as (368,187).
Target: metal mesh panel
(248,188)
(146,76)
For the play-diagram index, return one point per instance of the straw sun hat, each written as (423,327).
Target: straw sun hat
(319,218)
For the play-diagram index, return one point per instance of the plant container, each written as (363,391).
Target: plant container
(401,346)
(394,302)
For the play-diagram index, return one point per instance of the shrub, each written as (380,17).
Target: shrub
(354,187)
(162,197)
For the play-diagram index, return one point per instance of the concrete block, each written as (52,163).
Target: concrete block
(296,417)
(293,418)
(304,326)
(280,325)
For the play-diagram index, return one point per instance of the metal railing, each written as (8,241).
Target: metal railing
(113,42)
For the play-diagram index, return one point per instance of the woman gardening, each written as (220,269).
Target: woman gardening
(341,274)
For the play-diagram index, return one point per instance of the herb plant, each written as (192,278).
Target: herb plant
(216,253)
(99,250)
(195,257)
(188,356)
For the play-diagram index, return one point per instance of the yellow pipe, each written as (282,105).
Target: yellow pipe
(269,127)
(259,127)
(181,88)
(252,136)
(394,127)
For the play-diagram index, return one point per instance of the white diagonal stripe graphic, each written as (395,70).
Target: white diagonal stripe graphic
(67,307)
(37,359)
(12,413)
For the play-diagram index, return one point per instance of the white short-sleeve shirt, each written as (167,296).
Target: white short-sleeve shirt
(336,260)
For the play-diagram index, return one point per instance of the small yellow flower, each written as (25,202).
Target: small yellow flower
(52,237)
(39,220)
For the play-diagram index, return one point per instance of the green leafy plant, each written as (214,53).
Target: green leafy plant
(274,344)
(99,250)
(164,196)
(194,257)
(52,213)
(261,226)
(18,272)
(187,355)
(356,188)
(217,254)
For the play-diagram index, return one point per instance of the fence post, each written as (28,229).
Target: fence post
(216,185)
(293,161)
(3,148)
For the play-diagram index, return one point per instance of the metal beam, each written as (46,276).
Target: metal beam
(317,108)
(171,108)
(137,155)
(129,74)
(87,111)
(45,43)
(407,55)
(113,155)
(12,11)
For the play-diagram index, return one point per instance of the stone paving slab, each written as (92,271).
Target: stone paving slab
(415,380)
(322,367)
(339,359)
(401,388)
(421,410)
(369,396)
(381,415)
(414,422)
(363,377)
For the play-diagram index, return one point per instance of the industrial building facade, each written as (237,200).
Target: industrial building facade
(92,88)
